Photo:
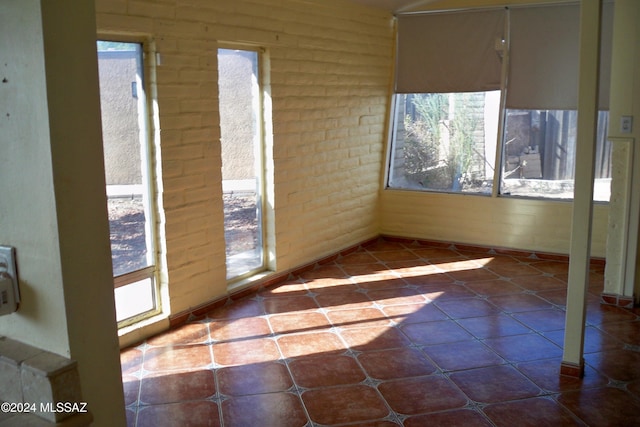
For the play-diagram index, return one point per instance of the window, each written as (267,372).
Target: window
(241,126)
(539,142)
(539,155)
(478,86)
(129,178)
(445,141)
(448,81)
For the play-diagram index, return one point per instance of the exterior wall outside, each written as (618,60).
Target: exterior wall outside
(119,118)
(238,161)
(329,66)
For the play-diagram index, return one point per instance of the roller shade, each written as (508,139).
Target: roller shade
(544,57)
(606,43)
(449,52)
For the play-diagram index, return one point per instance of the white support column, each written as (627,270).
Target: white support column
(53,208)
(572,359)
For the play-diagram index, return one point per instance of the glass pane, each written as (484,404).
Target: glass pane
(445,141)
(539,154)
(134,298)
(123,105)
(125,155)
(240,125)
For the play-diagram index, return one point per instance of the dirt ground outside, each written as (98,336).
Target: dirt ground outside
(127,231)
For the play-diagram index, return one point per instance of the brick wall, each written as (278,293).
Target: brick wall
(329,65)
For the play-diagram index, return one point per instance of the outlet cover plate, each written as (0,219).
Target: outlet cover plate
(8,265)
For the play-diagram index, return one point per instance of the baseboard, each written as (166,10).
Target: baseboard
(256,286)
(199,311)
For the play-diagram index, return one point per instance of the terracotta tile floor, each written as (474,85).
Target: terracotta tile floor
(394,334)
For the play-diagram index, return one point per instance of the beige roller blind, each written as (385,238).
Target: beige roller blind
(544,57)
(449,52)
(606,43)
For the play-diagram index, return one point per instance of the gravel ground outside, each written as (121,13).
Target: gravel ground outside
(126,223)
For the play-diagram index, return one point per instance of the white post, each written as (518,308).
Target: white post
(572,359)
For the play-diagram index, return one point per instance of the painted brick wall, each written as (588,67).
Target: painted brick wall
(503,222)
(329,67)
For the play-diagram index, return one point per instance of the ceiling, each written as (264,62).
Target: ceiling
(406,6)
(394,5)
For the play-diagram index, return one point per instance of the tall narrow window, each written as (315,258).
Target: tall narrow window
(128,178)
(241,128)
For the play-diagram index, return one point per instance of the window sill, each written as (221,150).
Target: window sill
(255,280)
(137,332)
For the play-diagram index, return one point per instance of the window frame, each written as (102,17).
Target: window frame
(150,179)
(261,162)
(393,141)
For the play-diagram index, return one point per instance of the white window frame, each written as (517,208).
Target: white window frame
(150,178)
(261,162)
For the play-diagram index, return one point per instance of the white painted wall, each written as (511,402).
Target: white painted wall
(533,225)
(53,206)
(27,188)
(623,257)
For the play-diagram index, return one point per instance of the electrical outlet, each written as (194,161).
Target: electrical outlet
(9,291)
(626,124)
(8,303)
